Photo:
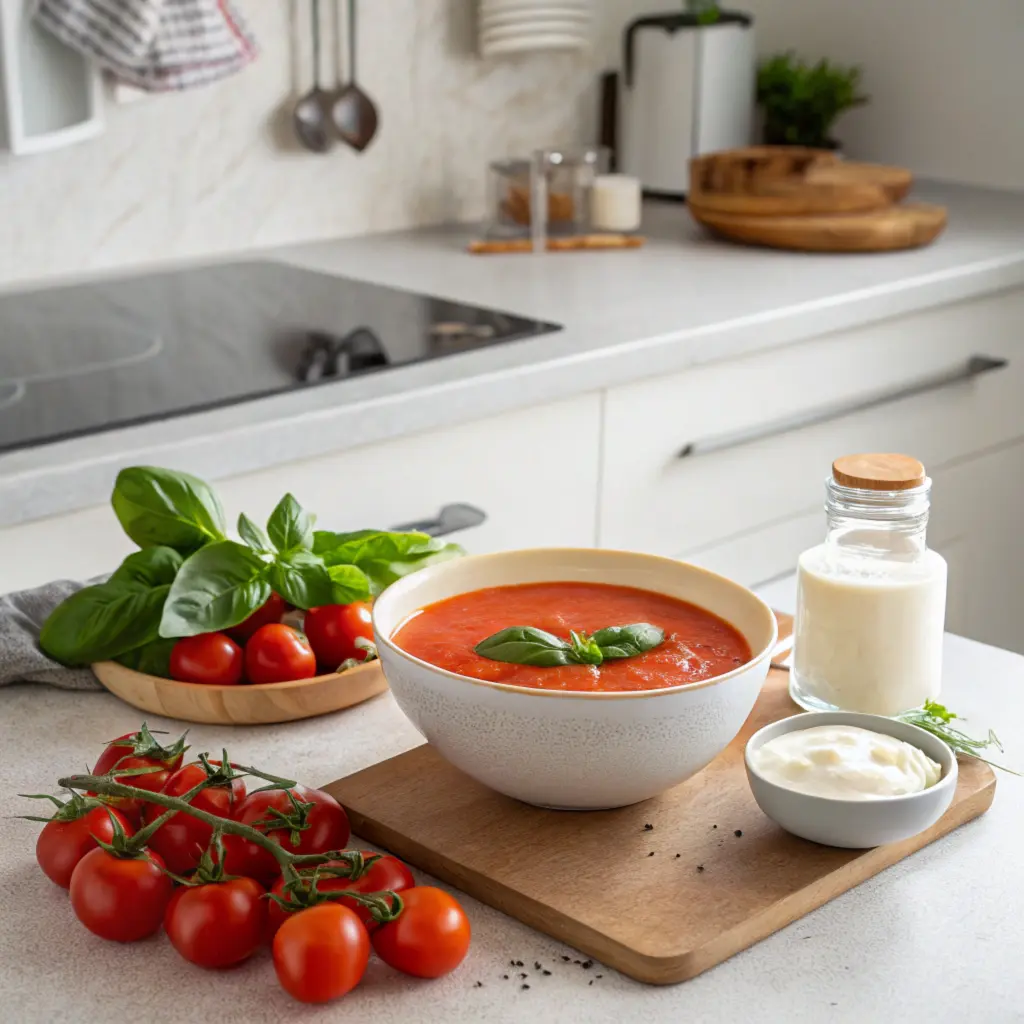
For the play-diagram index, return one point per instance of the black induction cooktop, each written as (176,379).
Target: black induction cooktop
(84,358)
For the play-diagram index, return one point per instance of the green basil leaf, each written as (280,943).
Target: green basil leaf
(253,535)
(349,583)
(150,567)
(525,645)
(103,621)
(301,578)
(628,641)
(383,555)
(219,586)
(584,649)
(163,507)
(154,658)
(290,526)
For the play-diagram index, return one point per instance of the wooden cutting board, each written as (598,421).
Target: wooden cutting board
(897,227)
(662,890)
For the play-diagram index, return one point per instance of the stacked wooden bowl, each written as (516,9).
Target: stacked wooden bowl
(788,197)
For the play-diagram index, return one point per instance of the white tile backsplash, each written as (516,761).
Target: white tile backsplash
(217,170)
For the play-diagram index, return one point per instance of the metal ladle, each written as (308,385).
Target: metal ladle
(311,120)
(353,112)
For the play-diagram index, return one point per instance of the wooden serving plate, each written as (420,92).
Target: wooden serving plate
(245,704)
(661,890)
(897,227)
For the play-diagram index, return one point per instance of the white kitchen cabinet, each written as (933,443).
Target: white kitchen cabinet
(901,385)
(533,472)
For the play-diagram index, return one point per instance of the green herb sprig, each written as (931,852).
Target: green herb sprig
(936,718)
(527,645)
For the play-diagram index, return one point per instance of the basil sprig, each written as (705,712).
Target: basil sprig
(190,578)
(527,645)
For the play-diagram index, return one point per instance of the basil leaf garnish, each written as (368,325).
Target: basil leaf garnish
(154,658)
(163,507)
(525,645)
(628,641)
(109,619)
(290,526)
(219,586)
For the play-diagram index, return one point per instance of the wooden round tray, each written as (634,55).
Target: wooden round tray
(261,704)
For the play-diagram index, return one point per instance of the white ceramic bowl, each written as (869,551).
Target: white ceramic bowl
(854,824)
(574,749)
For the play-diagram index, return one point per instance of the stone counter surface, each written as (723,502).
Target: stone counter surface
(682,300)
(936,938)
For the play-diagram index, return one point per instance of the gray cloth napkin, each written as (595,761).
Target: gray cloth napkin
(22,615)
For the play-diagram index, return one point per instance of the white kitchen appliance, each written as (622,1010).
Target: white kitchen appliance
(685,88)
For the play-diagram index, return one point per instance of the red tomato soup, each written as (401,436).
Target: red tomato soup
(697,645)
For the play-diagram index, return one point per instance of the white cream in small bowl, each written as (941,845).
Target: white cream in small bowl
(850,780)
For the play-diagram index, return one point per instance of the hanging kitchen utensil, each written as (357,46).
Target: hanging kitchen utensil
(311,117)
(354,113)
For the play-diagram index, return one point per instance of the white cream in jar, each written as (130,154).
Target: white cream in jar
(871,599)
(845,762)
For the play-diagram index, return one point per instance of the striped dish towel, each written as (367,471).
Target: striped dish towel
(155,45)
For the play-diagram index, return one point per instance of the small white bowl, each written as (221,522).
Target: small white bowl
(564,749)
(854,824)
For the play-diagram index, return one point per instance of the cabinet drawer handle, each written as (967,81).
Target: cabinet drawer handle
(450,519)
(974,367)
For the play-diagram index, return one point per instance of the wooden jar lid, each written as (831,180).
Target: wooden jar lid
(878,472)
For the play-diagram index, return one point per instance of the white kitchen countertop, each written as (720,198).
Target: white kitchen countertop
(937,937)
(683,300)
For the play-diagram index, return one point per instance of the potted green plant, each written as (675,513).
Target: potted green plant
(802,101)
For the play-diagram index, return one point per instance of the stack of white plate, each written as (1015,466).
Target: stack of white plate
(521,26)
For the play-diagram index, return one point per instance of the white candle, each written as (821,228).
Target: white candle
(615,203)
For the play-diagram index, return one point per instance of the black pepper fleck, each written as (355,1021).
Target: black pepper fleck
(511,963)
(598,975)
(700,868)
(738,833)
(714,826)
(565,958)
(648,827)
(591,982)
(523,975)
(587,964)
(524,987)
(678,855)
(536,965)
(518,963)
(577,961)
(651,854)
(505,976)
(546,972)
(478,984)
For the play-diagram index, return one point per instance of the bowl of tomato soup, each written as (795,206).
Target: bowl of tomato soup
(533,716)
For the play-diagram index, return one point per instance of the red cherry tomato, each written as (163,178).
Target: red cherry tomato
(211,658)
(139,750)
(321,826)
(272,610)
(333,630)
(385,873)
(181,840)
(278,653)
(64,842)
(117,898)
(321,953)
(430,937)
(219,924)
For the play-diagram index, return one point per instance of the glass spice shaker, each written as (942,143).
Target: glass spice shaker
(871,599)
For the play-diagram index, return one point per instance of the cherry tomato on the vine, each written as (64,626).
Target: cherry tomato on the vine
(64,842)
(272,610)
(139,750)
(321,953)
(218,924)
(430,937)
(181,840)
(320,825)
(277,653)
(120,898)
(210,658)
(333,630)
